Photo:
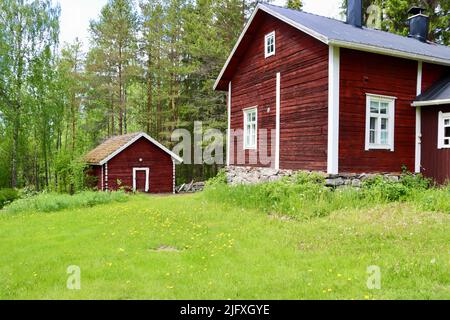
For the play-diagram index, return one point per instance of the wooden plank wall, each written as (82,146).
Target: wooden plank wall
(362,73)
(435,162)
(303,64)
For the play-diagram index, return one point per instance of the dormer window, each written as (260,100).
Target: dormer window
(269,42)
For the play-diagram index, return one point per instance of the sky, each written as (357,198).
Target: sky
(76,15)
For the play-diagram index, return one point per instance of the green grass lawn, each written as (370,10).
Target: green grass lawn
(223,252)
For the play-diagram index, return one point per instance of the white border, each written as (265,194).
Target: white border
(418,158)
(106,177)
(392,102)
(147,178)
(277,125)
(229,124)
(146,136)
(333,110)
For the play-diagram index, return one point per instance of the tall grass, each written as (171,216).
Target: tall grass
(49,202)
(305,195)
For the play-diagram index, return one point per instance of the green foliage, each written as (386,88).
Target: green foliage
(294,4)
(7,196)
(51,202)
(393,16)
(305,195)
(219,180)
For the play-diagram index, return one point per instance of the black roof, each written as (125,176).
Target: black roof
(439,91)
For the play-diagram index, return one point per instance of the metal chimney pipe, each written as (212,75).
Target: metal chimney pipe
(418,24)
(354,13)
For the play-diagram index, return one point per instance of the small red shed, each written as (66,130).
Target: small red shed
(136,162)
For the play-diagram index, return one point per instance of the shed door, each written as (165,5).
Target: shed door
(141,179)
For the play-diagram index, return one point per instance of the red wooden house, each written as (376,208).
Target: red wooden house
(340,97)
(135,162)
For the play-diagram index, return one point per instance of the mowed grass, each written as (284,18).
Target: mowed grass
(224,252)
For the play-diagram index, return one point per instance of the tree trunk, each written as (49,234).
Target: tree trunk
(149,93)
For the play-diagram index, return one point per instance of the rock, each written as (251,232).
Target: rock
(356,183)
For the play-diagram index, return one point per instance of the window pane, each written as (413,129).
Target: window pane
(384,124)
(373,123)
(447,132)
(374,107)
(446,142)
(383,108)
(446,122)
(384,137)
(372,136)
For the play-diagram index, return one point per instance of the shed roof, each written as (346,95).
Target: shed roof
(438,94)
(338,33)
(113,146)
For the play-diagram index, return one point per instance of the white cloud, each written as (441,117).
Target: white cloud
(75,18)
(76,15)
(327,8)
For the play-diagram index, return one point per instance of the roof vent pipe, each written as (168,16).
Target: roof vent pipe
(418,24)
(354,13)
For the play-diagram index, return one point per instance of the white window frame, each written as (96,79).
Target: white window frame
(391,122)
(147,178)
(441,130)
(268,54)
(246,112)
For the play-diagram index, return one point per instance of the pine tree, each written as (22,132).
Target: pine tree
(294,4)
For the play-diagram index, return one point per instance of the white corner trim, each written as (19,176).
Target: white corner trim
(418,157)
(174,177)
(147,178)
(430,103)
(106,177)
(229,125)
(333,110)
(103,179)
(440,135)
(278,118)
(146,136)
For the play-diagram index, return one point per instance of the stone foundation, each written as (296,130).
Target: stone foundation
(250,175)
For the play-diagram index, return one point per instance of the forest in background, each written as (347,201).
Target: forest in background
(150,66)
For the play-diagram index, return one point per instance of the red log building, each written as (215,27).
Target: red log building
(135,162)
(340,97)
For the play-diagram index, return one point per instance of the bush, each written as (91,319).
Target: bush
(7,196)
(305,194)
(49,202)
(382,189)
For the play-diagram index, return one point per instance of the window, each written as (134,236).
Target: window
(250,128)
(380,122)
(444,130)
(269,42)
